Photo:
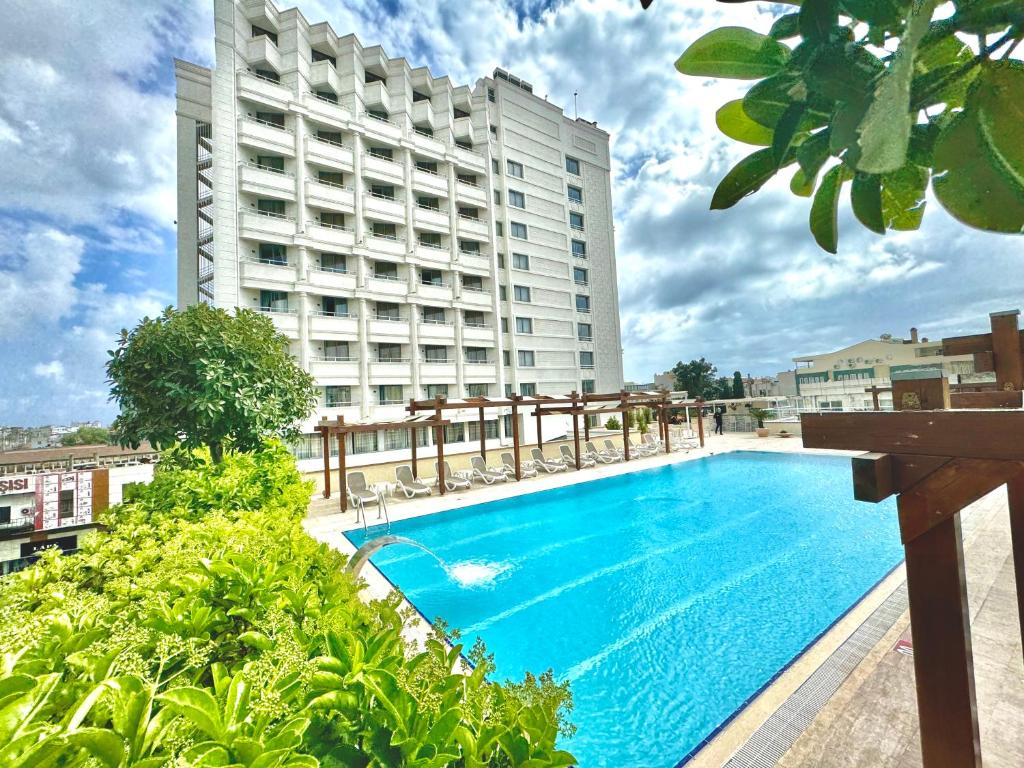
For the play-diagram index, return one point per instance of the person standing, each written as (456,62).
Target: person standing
(719,430)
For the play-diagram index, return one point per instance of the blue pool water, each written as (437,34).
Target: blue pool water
(667,597)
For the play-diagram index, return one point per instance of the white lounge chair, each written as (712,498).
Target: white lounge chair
(656,443)
(642,450)
(359,493)
(452,482)
(526,468)
(568,457)
(611,449)
(602,456)
(548,465)
(408,484)
(481,472)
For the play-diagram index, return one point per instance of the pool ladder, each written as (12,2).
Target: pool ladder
(382,509)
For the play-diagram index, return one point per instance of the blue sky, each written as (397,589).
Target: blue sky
(87,207)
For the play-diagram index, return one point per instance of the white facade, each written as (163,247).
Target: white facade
(365,206)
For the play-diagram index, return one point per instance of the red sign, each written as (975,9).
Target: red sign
(14,485)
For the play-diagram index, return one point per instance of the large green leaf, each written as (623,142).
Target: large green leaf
(981,16)
(887,14)
(842,70)
(748,176)
(818,18)
(979,156)
(734,52)
(866,200)
(785,26)
(734,122)
(885,130)
(903,193)
(786,131)
(824,219)
(197,706)
(767,100)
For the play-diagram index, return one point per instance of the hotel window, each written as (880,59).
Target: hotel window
(430,239)
(336,351)
(459,113)
(417,96)
(372,77)
(275,119)
(5,515)
(66,504)
(587,386)
(473,319)
(467,178)
(384,191)
(582,303)
(380,114)
(393,439)
(384,153)
(333,220)
(524,325)
(270,163)
(503,292)
(497,197)
(430,203)
(436,390)
(318,56)
(572,165)
(517,230)
(434,315)
(273,301)
(490,427)
(330,96)
(476,355)
(584,332)
(499,230)
(337,396)
(385,270)
(527,390)
(501,261)
(521,293)
(268,74)
(495,166)
(579,248)
(260,31)
(469,246)
(334,178)
(506,358)
(490,95)
(508,393)
(476,390)
(586,359)
(389,353)
(335,306)
(576,220)
(520,261)
(431,277)
(580,276)
(363,442)
(433,353)
(385,230)
(575,194)
(389,394)
(430,166)
(526,358)
(494,132)
(387,311)
(468,212)
(473,283)
(504,325)
(272,253)
(514,169)
(424,130)
(271,208)
(454,433)
(516,200)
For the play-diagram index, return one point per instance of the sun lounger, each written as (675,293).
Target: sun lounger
(611,449)
(600,456)
(656,443)
(548,465)
(640,450)
(452,482)
(526,468)
(358,492)
(481,472)
(568,457)
(408,484)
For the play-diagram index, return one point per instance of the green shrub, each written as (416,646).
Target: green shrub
(613,423)
(206,628)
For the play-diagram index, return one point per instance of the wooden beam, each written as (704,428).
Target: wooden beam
(992,399)
(576,430)
(440,458)
(625,428)
(949,489)
(940,625)
(325,435)
(1006,352)
(878,476)
(342,479)
(483,439)
(957,434)
(1015,496)
(700,421)
(515,437)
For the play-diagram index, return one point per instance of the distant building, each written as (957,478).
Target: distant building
(839,380)
(666,380)
(632,386)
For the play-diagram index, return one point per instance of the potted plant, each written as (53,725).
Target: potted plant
(760,414)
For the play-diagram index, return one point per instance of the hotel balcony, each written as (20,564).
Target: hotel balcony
(481,373)
(264,274)
(382,208)
(386,286)
(470,158)
(471,193)
(430,183)
(260,135)
(331,280)
(261,50)
(337,370)
(327,112)
(382,169)
(342,327)
(285,320)
(322,73)
(431,220)
(437,373)
(383,130)
(255,225)
(436,333)
(430,292)
(333,197)
(253,87)
(393,246)
(397,372)
(440,255)
(474,227)
(261,181)
(388,331)
(476,299)
(462,128)
(478,333)
(329,154)
(376,95)
(330,236)
(475,262)
(429,145)
(423,113)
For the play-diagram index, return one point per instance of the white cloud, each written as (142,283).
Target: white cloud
(51,370)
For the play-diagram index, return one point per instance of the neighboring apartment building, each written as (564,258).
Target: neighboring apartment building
(837,380)
(412,238)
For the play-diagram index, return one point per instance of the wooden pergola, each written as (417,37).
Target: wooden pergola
(340,429)
(936,462)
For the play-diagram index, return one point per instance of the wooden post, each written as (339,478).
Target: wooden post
(325,435)
(668,446)
(625,426)
(940,625)
(874,397)
(540,439)
(1006,352)
(413,434)
(342,479)
(440,443)
(483,443)
(700,420)
(1015,494)
(575,428)
(515,436)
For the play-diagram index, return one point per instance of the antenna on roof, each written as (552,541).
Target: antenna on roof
(575,108)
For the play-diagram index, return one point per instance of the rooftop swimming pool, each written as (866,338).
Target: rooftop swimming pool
(668,597)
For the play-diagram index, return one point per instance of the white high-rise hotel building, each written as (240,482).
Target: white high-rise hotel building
(411,237)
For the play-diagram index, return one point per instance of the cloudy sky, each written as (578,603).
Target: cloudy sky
(87,206)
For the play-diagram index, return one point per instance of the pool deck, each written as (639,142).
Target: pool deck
(871,718)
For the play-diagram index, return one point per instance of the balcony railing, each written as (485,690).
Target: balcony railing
(435,246)
(379,119)
(475,254)
(278,171)
(390,318)
(584,338)
(469,183)
(332,142)
(333,359)
(253,73)
(340,227)
(269,262)
(392,360)
(286,310)
(434,208)
(333,184)
(334,313)
(470,361)
(393,238)
(472,289)
(468,324)
(469,218)
(389,278)
(269,214)
(427,170)
(431,321)
(383,401)
(334,270)
(268,123)
(382,196)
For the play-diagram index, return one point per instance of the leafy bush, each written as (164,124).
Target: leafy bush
(613,423)
(205,628)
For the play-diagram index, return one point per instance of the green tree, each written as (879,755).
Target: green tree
(883,96)
(696,377)
(87,436)
(737,385)
(723,388)
(203,377)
